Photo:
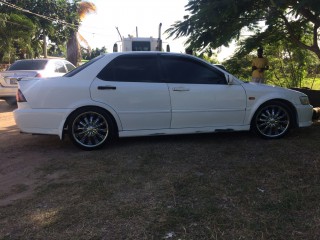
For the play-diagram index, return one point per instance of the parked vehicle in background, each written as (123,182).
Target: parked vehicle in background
(41,68)
(131,43)
(154,93)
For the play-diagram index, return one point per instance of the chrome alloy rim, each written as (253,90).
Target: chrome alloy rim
(90,129)
(273,121)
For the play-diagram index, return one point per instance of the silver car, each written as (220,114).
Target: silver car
(30,68)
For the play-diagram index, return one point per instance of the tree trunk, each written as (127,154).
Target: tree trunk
(73,50)
(45,53)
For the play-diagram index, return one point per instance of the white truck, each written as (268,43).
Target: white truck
(139,43)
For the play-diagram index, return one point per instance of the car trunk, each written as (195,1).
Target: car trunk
(9,78)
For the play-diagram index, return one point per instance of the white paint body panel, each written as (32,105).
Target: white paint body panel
(142,109)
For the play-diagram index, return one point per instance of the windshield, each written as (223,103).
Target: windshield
(28,65)
(141,46)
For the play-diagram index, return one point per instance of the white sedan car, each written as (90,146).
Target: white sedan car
(154,93)
(30,68)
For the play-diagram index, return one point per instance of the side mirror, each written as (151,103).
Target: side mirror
(229,79)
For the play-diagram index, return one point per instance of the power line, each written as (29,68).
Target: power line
(44,17)
(16,23)
(39,15)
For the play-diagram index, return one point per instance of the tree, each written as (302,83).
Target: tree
(73,46)
(289,65)
(88,55)
(16,32)
(213,23)
(51,19)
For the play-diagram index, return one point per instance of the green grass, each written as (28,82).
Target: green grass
(312,83)
(215,186)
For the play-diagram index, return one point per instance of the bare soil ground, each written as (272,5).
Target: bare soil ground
(210,186)
(20,156)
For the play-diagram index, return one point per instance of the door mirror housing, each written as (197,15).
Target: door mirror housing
(229,78)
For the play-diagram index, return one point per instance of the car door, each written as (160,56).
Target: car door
(200,95)
(131,85)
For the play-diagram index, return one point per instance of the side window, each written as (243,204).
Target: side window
(69,66)
(131,68)
(59,67)
(186,70)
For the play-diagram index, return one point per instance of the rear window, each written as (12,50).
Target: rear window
(28,65)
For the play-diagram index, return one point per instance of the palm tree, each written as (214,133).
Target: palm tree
(73,46)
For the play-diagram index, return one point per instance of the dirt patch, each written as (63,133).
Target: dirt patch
(18,161)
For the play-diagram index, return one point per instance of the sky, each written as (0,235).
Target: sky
(99,28)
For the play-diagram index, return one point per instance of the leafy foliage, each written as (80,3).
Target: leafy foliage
(55,19)
(213,23)
(88,55)
(15,36)
(289,65)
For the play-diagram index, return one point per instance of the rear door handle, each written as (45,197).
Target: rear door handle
(107,88)
(180,89)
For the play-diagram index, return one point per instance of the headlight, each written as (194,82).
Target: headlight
(304,100)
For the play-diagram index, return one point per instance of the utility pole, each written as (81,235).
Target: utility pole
(45,53)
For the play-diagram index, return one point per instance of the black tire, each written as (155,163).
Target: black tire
(272,120)
(90,128)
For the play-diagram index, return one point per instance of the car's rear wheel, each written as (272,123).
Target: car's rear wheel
(90,128)
(272,120)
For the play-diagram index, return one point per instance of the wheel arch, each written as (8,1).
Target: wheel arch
(65,126)
(288,104)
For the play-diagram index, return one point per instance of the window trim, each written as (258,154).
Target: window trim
(164,71)
(126,56)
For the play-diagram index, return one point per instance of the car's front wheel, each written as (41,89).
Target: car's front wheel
(90,128)
(272,120)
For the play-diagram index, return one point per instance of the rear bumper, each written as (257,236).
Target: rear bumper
(41,121)
(7,92)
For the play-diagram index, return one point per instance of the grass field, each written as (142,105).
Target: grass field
(212,186)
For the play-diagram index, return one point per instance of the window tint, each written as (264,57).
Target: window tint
(69,66)
(131,68)
(187,70)
(28,65)
(59,67)
(141,46)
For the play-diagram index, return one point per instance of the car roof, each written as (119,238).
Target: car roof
(146,52)
(116,54)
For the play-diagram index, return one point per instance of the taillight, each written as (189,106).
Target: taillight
(38,75)
(20,97)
